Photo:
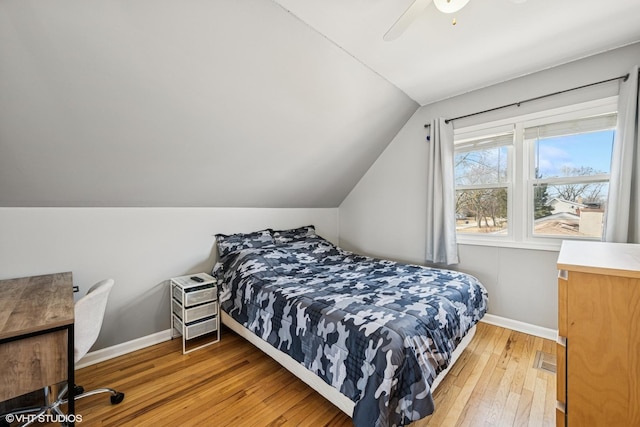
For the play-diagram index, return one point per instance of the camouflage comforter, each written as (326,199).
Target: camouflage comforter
(377,330)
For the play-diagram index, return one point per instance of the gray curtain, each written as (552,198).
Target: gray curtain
(622,223)
(441,220)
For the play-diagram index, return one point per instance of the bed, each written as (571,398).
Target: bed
(371,335)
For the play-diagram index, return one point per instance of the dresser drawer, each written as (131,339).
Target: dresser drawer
(561,374)
(563,284)
(195,313)
(561,418)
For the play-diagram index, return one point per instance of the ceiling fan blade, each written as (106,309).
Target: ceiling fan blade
(403,22)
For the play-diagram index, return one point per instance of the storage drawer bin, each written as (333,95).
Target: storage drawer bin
(201,327)
(176,293)
(198,296)
(177,324)
(195,313)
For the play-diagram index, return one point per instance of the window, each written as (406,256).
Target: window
(536,179)
(572,162)
(483,173)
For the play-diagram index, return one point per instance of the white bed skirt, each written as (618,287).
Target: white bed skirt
(331,394)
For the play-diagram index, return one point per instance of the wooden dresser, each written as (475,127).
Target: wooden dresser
(599,334)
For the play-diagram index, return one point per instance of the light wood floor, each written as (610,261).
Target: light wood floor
(234,384)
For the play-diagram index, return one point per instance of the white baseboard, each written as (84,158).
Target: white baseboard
(516,325)
(162,336)
(124,348)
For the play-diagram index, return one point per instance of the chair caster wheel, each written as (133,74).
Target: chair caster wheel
(77,390)
(117,398)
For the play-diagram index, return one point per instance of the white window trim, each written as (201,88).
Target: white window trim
(572,179)
(520,204)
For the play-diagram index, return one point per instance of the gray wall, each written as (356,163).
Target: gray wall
(141,248)
(183,103)
(384,214)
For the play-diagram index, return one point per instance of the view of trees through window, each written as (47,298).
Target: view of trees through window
(482,196)
(482,211)
(567,184)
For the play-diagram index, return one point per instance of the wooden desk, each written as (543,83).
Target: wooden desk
(36,334)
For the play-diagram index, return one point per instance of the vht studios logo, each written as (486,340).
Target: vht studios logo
(43,418)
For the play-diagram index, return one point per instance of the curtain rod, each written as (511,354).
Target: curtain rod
(517,104)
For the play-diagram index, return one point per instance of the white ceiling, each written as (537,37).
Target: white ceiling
(493,41)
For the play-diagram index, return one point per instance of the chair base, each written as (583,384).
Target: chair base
(54,408)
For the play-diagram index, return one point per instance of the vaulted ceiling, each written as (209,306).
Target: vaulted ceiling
(492,41)
(249,102)
(182,103)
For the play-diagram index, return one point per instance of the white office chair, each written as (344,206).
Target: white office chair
(89,313)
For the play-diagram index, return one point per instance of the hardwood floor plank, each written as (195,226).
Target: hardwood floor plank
(234,384)
(537,406)
(502,394)
(521,354)
(532,374)
(550,402)
(524,408)
(508,416)
(446,397)
(455,412)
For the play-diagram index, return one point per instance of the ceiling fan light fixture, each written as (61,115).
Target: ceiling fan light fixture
(450,6)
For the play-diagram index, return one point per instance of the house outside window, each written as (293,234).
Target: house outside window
(534,180)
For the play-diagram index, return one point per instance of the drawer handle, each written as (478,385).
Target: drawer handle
(563,274)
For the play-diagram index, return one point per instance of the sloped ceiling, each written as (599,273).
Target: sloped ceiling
(183,103)
(493,40)
(264,103)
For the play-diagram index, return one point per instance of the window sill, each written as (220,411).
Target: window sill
(552,245)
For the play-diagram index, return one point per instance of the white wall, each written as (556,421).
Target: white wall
(141,248)
(384,214)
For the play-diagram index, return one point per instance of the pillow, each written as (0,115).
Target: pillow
(294,234)
(228,244)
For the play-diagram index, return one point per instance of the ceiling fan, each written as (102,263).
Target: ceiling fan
(444,6)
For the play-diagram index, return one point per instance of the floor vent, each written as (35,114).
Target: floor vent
(545,362)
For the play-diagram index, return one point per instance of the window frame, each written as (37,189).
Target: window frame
(520,190)
(508,184)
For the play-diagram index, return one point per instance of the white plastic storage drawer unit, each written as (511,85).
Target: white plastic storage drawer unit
(194,310)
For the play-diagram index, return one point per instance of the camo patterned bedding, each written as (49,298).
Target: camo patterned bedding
(376,330)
